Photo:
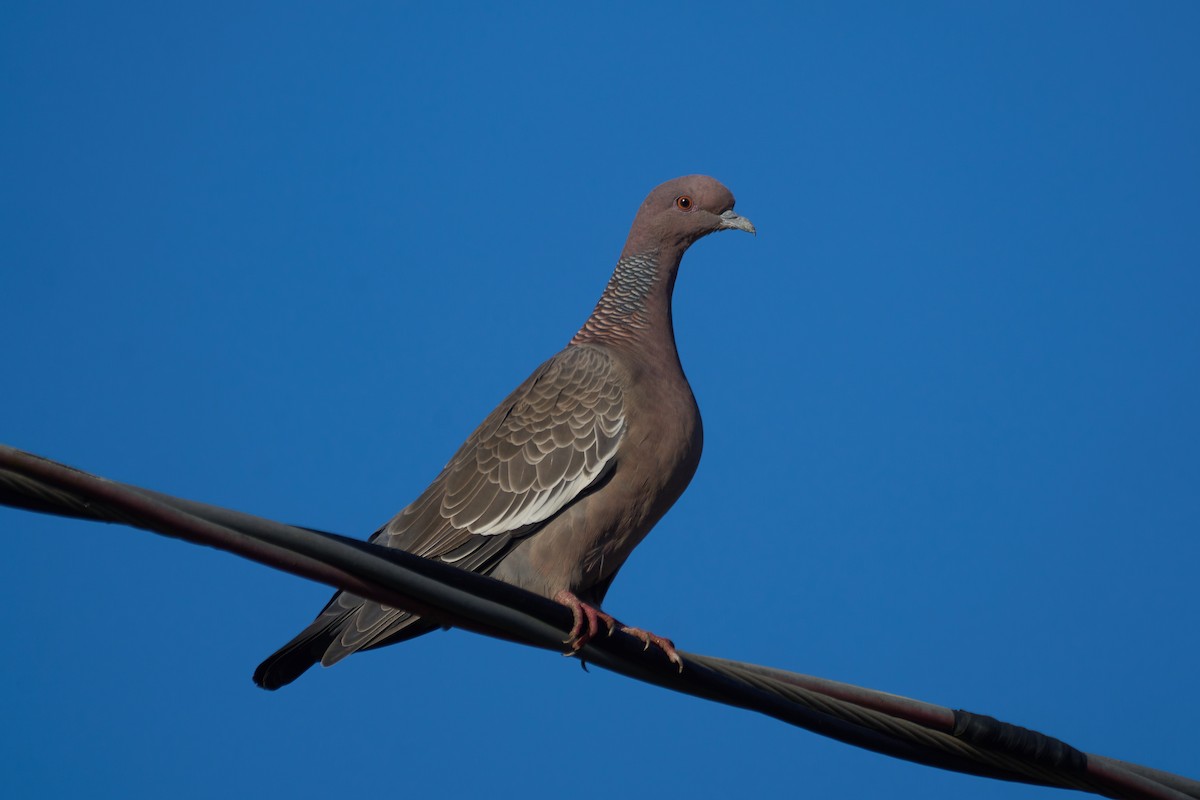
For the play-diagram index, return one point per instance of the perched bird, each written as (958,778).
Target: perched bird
(569,473)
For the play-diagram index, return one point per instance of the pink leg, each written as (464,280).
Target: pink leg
(582,633)
(586,626)
(666,645)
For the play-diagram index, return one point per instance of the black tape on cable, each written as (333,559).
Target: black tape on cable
(989,732)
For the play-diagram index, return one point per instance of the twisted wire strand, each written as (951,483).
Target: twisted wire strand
(898,726)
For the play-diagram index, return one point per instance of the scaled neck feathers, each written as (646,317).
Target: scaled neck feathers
(636,301)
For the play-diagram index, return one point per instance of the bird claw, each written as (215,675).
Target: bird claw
(586,619)
(586,622)
(662,643)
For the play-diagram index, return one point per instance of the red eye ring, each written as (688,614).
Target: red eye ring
(684,203)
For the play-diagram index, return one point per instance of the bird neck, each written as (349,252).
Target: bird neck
(636,304)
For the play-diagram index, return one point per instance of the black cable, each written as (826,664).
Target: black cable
(900,727)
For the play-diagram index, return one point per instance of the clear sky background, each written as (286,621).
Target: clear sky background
(284,257)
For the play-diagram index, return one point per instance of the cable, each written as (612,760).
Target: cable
(901,727)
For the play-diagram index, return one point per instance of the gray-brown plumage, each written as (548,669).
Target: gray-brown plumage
(559,484)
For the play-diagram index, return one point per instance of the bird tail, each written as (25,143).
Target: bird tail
(294,658)
(348,624)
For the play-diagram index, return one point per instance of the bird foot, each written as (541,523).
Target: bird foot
(587,619)
(666,645)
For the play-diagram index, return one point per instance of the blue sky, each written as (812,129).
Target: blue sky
(284,257)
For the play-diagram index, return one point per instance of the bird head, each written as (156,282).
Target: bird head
(680,211)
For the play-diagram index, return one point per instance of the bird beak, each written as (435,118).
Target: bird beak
(732,220)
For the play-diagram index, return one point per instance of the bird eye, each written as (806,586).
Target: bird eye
(683,203)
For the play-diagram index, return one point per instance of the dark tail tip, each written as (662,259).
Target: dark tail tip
(290,661)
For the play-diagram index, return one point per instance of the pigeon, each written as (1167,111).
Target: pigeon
(568,474)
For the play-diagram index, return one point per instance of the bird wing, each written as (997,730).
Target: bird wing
(550,440)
